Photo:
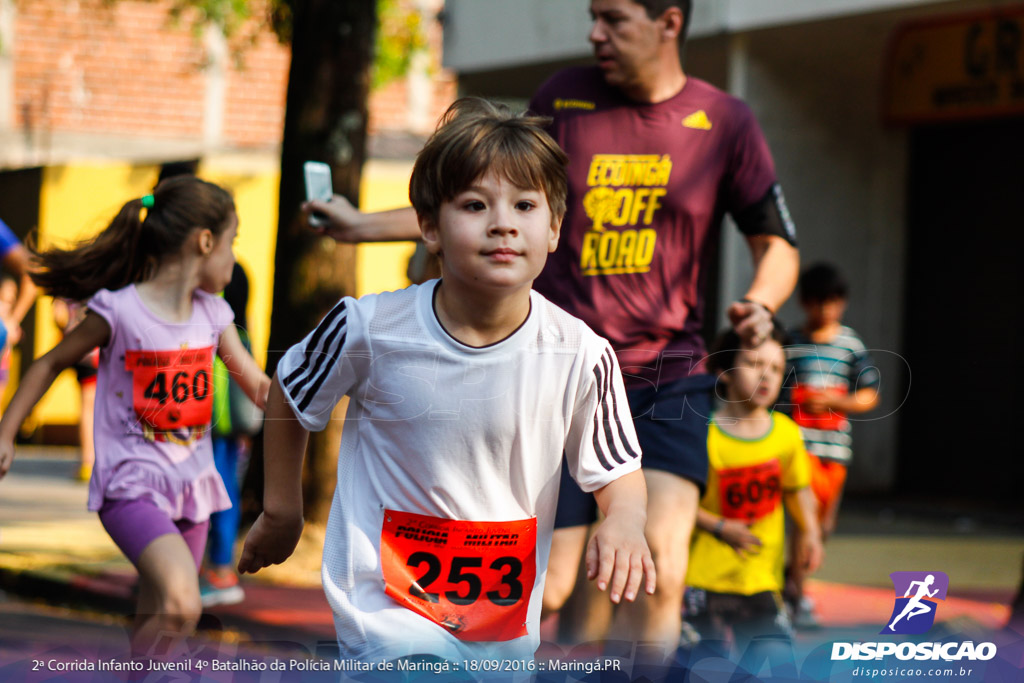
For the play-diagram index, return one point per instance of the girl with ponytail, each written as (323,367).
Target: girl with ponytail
(151,279)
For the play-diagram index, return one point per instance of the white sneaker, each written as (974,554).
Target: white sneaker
(218,590)
(803,616)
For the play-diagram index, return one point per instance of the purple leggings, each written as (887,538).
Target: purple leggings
(135,523)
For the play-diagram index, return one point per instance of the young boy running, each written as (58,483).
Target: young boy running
(833,377)
(757,463)
(464,393)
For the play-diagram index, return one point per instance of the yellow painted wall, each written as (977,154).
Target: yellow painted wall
(381,267)
(78,200)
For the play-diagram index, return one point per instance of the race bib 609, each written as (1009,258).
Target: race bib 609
(750,493)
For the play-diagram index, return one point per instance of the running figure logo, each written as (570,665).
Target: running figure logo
(914,612)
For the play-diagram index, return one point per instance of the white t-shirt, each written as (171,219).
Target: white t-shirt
(444,430)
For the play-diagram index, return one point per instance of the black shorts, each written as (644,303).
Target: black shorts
(717,616)
(672,426)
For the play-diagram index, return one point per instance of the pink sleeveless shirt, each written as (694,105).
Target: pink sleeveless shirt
(154,389)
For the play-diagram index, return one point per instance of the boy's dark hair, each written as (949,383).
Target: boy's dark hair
(727,344)
(130,248)
(476,137)
(821,282)
(655,8)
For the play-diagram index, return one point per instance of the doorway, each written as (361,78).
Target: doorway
(960,427)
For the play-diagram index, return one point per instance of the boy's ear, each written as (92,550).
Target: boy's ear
(430,232)
(556,233)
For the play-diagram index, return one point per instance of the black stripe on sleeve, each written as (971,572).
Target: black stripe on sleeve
(607,405)
(601,457)
(618,422)
(326,327)
(324,370)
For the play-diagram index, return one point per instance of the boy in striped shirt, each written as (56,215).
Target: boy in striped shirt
(833,377)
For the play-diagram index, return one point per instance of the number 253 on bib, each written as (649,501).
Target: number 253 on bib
(474,579)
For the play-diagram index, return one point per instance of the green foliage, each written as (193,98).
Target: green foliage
(242,22)
(400,33)
(400,36)
(228,15)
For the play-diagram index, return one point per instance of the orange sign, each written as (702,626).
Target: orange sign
(172,389)
(956,68)
(472,578)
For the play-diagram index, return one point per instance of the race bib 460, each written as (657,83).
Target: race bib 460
(472,578)
(172,389)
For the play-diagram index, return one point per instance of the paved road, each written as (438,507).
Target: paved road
(54,551)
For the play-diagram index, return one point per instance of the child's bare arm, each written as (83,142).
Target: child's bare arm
(730,531)
(92,332)
(276,532)
(803,509)
(617,555)
(829,514)
(861,401)
(16,261)
(346,223)
(243,367)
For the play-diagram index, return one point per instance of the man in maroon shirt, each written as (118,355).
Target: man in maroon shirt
(656,159)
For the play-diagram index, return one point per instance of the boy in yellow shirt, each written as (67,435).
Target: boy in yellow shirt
(756,463)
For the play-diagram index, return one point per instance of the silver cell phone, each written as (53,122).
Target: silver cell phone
(318,186)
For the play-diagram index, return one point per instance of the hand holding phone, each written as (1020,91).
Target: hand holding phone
(318,187)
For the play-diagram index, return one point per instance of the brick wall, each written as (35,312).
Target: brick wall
(84,67)
(389,106)
(125,68)
(254,111)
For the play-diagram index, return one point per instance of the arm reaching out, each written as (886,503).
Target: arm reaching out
(277,530)
(617,555)
(861,401)
(910,588)
(346,223)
